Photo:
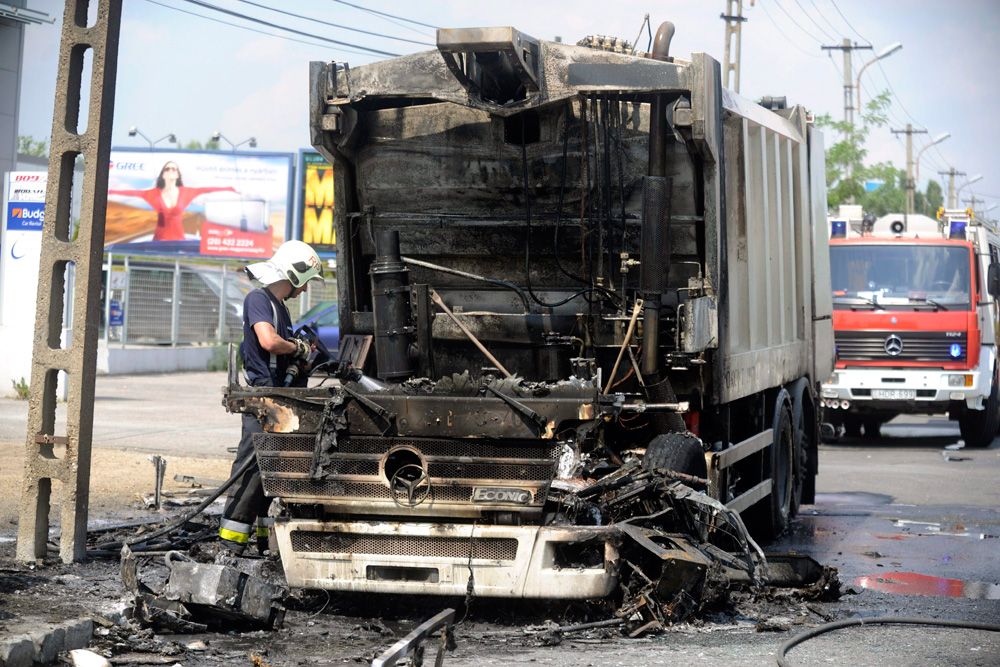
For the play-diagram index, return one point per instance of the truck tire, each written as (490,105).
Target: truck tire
(680,452)
(805,434)
(979,427)
(769,517)
(852,426)
(873,426)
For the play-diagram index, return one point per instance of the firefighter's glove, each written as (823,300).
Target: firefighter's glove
(302,348)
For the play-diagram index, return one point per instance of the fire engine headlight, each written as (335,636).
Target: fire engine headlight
(960,380)
(833,379)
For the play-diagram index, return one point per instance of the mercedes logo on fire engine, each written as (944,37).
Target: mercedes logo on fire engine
(410,486)
(893,345)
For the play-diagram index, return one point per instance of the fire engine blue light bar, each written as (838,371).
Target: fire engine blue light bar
(957,230)
(838,229)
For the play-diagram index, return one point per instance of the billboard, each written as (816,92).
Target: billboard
(21,246)
(315,210)
(214,203)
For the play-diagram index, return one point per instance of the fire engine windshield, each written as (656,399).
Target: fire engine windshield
(900,276)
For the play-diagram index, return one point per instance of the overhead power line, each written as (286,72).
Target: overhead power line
(834,3)
(763,5)
(248,28)
(245,17)
(813,21)
(384,14)
(334,25)
(792,19)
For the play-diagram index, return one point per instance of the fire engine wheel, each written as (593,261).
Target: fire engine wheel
(852,427)
(680,452)
(979,427)
(873,426)
(769,517)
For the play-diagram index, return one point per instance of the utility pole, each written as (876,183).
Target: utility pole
(847,47)
(734,25)
(911,182)
(972,201)
(952,195)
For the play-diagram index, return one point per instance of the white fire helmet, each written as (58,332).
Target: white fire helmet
(293,261)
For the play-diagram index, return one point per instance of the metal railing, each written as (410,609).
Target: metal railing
(166,302)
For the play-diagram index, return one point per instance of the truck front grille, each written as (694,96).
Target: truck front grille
(916,346)
(455,468)
(493,548)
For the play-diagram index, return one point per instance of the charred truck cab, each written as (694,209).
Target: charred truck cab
(584,308)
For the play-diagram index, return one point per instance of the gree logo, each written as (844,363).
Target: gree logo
(24,178)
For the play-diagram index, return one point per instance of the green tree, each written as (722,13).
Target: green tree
(27,145)
(890,197)
(195,145)
(845,159)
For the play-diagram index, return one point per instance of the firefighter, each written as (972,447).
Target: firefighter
(268,349)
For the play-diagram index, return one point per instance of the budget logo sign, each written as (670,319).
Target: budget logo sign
(25,216)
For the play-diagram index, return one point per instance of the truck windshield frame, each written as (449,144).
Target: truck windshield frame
(901,276)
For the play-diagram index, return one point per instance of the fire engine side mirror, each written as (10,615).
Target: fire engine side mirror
(993,280)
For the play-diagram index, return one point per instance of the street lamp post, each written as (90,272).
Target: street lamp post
(938,139)
(974,179)
(218,135)
(884,53)
(170,137)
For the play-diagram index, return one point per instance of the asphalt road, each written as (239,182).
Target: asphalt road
(912,526)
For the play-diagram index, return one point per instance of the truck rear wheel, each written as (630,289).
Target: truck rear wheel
(680,452)
(769,517)
(805,435)
(979,427)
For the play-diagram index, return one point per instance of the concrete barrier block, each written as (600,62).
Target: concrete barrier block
(78,633)
(17,651)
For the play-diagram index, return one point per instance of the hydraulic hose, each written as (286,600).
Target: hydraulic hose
(244,466)
(884,620)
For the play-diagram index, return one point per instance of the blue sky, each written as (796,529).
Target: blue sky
(184,74)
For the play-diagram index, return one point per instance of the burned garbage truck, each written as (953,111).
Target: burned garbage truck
(584,308)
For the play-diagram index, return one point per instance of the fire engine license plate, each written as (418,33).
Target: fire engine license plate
(501,494)
(894,394)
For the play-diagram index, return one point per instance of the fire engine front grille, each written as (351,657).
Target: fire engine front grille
(911,345)
(359,469)
(493,548)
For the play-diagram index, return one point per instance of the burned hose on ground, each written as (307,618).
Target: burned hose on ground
(884,620)
(247,463)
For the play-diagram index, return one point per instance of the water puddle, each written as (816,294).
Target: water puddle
(914,583)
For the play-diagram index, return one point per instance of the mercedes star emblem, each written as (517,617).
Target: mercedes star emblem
(410,486)
(893,345)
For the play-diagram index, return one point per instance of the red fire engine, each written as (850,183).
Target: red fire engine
(915,321)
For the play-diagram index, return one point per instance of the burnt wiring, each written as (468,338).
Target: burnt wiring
(114,547)
(527,244)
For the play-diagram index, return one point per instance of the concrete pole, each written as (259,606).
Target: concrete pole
(952,193)
(60,249)
(848,82)
(734,26)
(910,182)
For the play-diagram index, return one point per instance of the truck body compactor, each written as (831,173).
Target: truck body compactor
(585,306)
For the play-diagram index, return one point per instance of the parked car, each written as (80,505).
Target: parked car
(325,318)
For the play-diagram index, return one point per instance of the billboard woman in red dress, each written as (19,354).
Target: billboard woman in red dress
(169,199)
